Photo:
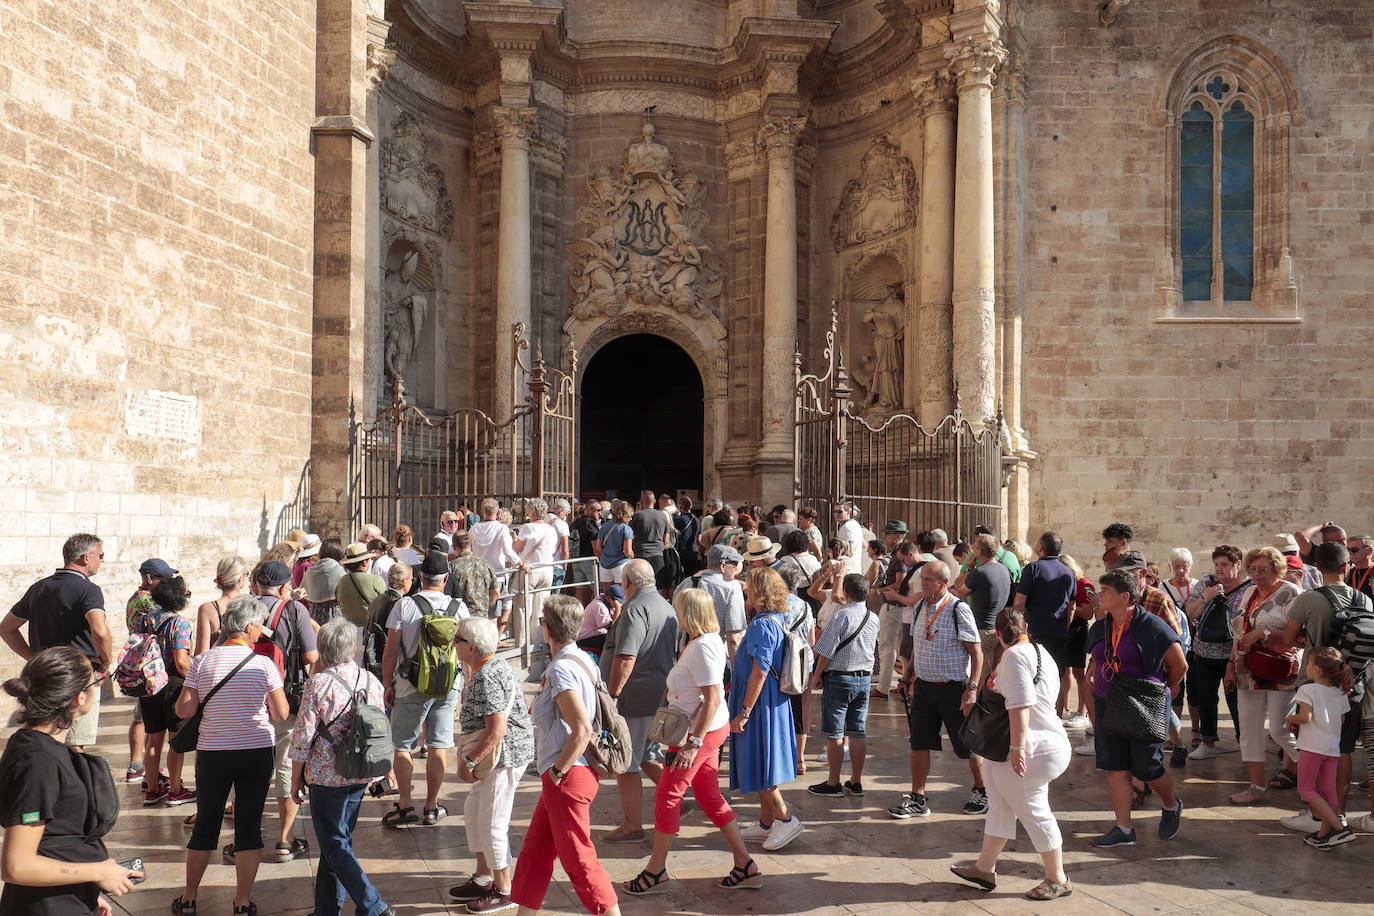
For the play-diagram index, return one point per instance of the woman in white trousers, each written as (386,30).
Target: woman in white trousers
(1019,789)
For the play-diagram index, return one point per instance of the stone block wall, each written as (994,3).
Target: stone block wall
(155,282)
(1204,433)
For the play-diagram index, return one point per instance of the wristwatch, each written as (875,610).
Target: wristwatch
(693,741)
(557,774)
(469,762)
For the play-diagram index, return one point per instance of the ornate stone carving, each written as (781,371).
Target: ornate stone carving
(1108,11)
(406,303)
(644,245)
(741,154)
(379,61)
(881,201)
(886,320)
(513,126)
(934,92)
(413,188)
(935,31)
(975,61)
(779,136)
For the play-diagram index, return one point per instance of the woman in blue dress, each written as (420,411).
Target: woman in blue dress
(763,749)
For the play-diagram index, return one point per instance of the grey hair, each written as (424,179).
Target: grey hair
(940,535)
(242,611)
(561,505)
(639,572)
(940,568)
(480,632)
(563,617)
(536,507)
(336,642)
(1181,553)
(398,574)
(715,504)
(788,515)
(229,570)
(432,583)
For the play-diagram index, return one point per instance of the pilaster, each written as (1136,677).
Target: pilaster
(514,128)
(935,101)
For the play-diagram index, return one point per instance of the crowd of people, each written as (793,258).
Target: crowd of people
(323,671)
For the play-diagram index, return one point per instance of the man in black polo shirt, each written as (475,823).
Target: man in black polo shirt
(1045,595)
(66,609)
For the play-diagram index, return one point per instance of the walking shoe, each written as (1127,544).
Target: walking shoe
(1203,751)
(1331,840)
(1178,757)
(180,798)
(826,790)
(1077,720)
(133,773)
(471,889)
(1115,837)
(163,781)
(1086,749)
(1171,820)
(1303,822)
(155,796)
(1364,823)
(855,789)
(755,832)
(783,832)
(977,801)
(910,806)
(491,903)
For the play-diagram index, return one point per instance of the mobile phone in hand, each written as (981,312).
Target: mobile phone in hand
(135,864)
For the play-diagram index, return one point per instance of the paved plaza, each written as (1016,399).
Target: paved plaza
(852,858)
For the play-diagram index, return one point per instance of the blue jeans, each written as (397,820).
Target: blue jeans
(844,705)
(334,812)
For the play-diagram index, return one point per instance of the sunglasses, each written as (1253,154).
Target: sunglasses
(99,679)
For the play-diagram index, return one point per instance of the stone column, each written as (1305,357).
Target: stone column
(340,139)
(935,99)
(379,61)
(514,266)
(779,138)
(974,63)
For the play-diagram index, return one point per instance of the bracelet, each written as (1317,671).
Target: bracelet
(694,741)
(613,696)
(469,762)
(1016,747)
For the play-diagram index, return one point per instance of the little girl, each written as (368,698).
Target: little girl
(1321,703)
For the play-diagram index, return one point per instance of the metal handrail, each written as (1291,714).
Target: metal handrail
(525,653)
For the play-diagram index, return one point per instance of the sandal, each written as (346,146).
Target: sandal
(250,909)
(435,815)
(741,877)
(1284,779)
(228,852)
(647,882)
(1253,795)
(983,879)
(1138,796)
(399,817)
(1050,890)
(290,853)
(189,822)
(183,906)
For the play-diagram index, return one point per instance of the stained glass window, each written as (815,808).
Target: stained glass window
(1217,193)
(1237,202)
(1195,203)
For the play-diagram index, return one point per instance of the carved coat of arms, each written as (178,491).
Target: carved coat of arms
(881,201)
(644,243)
(413,188)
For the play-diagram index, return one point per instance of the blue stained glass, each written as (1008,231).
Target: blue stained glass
(1196,137)
(1237,275)
(1195,232)
(1197,279)
(1237,231)
(1237,188)
(1237,137)
(1237,202)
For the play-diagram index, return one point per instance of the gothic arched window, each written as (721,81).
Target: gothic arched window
(1228,112)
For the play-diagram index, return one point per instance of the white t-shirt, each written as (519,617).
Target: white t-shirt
(560,528)
(1015,680)
(406,617)
(541,542)
(1322,733)
(236,717)
(701,664)
(852,533)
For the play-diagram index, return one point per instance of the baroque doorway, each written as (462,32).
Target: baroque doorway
(643,419)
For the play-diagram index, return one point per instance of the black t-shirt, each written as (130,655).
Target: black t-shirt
(1362,580)
(649,526)
(56,609)
(38,784)
(587,529)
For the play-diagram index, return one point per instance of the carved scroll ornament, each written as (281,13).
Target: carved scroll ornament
(413,188)
(881,201)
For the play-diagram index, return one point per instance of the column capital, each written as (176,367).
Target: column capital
(779,137)
(514,126)
(934,92)
(974,61)
(379,62)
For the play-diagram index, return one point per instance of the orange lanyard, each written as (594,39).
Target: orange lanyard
(1112,664)
(930,634)
(1186,590)
(1255,601)
(1359,585)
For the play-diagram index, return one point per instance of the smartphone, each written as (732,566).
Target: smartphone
(135,864)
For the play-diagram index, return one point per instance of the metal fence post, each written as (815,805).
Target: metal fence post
(538,388)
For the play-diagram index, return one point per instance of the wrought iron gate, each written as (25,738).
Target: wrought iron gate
(405,467)
(949,477)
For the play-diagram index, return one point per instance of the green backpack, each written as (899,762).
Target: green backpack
(434,667)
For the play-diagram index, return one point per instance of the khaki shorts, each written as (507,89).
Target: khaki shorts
(281,779)
(86,729)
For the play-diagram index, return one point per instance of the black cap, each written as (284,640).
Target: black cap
(434,565)
(274,574)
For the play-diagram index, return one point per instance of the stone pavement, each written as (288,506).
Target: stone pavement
(852,858)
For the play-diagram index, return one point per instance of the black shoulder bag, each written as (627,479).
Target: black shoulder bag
(185,740)
(987,727)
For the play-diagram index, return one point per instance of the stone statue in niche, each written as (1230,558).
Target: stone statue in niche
(645,245)
(881,201)
(887,321)
(413,188)
(405,318)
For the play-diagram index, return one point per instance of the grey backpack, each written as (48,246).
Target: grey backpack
(364,749)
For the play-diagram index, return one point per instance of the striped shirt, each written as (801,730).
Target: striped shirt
(236,719)
(858,654)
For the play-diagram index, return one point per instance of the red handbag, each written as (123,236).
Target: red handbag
(1268,665)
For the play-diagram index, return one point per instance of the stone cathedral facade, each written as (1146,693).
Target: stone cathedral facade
(1139,230)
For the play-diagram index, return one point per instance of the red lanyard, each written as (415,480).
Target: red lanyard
(1255,601)
(1359,585)
(930,634)
(1181,590)
(1112,664)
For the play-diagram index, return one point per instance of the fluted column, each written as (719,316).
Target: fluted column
(935,99)
(974,63)
(514,266)
(779,138)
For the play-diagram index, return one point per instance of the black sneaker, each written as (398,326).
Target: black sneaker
(1331,840)
(826,790)
(1171,820)
(1178,758)
(977,801)
(855,789)
(910,806)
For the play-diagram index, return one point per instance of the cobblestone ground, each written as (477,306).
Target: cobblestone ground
(852,858)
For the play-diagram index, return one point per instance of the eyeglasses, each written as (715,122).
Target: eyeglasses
(451,521)
(99,679)
(1256,570)
(458,639)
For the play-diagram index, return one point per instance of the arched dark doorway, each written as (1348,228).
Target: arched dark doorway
(643,415)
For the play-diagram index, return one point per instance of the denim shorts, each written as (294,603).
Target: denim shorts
(434,713)
(844,705)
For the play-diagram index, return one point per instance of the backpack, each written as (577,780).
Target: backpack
(141,671)
(280,648)
(375,634)
(1352,632)
(610,749)
(797,659)
(1214,624)
(102,800)
(433,669)
(364,749)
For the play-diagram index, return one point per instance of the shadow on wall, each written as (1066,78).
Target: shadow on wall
(295,514)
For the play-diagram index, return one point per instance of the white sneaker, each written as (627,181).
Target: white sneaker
(1086,749)
(755,832)
(1203,751)
(824,756)
(783,832)
(1078,720)
(1303,821)
(1362,823)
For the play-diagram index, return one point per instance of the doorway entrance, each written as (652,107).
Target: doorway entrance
(643,418)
